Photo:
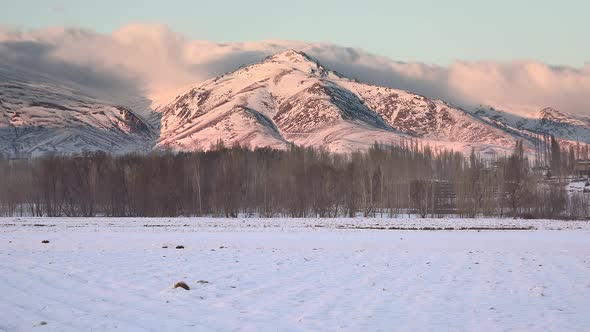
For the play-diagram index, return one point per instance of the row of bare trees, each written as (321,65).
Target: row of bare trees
(299,182)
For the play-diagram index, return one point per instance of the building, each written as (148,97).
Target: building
(582,168)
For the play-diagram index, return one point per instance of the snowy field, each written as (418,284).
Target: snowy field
(286,274)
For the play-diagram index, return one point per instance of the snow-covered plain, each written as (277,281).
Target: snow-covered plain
(294,274)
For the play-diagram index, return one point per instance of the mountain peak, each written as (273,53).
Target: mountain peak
(551,114)
(292,56)
(293,59)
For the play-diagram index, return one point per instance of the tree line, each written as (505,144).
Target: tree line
(385,181)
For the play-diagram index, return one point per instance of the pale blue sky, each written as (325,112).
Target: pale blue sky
(431,31)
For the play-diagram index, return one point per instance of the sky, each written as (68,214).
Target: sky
(520,55)
(428,31)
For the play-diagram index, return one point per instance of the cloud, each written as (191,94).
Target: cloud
(152,58)
(36,56)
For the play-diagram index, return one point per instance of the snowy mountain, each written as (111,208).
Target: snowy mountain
(568,128)
(288,98)
(39,117)
(291,98)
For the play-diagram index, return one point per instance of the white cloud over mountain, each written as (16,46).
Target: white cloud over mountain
(155,59)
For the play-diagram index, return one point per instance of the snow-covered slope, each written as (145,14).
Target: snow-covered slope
(569,129)
(286,98)
(291,98)
(39,116)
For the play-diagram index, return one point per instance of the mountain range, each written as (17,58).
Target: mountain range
(287,98)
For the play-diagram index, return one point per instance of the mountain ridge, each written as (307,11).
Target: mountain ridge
(315,98)
(286,98)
